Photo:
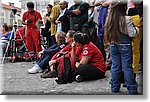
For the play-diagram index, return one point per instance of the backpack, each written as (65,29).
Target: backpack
(64,70)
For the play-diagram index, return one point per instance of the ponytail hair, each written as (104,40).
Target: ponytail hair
(81,38)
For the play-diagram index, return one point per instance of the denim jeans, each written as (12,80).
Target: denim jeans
(121,55)
(2,49)
(43,62)
(102,47)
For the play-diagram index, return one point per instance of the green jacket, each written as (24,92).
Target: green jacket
(79,21)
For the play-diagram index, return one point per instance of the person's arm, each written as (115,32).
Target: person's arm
(52,50)
(103,3)
(131,29)
(45,19)
(84,60)
(63,18)
(86,55)
(73,52)
(69,11)
(24,19)
(84,7)
(39,18)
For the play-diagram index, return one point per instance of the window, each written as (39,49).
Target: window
(2,20)
(11,21)
(11,15)
(1,13)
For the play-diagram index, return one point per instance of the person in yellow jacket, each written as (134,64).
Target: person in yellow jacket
(53,16)
(133,12)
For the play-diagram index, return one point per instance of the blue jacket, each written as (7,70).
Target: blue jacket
(7,36)
(101,20)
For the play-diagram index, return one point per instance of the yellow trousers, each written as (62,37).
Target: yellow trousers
(136,43)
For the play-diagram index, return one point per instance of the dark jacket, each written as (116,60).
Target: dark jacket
(78,21)
(65,21)
(48,23)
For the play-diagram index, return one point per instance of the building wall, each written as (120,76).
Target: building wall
(5,16)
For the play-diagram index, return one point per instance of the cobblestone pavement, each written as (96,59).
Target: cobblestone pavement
(18,81)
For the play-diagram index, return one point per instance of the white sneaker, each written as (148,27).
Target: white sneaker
(79,78)
(35,69)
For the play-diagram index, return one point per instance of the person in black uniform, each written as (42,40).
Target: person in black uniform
(46,31)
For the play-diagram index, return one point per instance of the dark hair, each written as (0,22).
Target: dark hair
(71,33)
(81,38)
(10,27)
(5,26)
(30,5)
(115,22)
(49,5)
(66,3)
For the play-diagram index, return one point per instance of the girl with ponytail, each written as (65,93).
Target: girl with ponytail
(88,58)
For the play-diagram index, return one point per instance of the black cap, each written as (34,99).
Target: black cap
(49,5)
(30,5)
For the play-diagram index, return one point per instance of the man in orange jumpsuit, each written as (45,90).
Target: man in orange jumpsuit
(30,18)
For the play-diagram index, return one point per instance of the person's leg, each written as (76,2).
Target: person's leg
(136,44)
(44,62)
(108,57)
(101,40)
(141,56)
(36,40)
(2,49)
(29,43)
(126,58)
(48,38)
(89,72)
(115,68)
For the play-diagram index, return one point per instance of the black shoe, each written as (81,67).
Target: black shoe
(29,60)
(50,74)
(108,67)
(46,71)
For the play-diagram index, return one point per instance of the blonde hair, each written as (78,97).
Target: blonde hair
(61,37)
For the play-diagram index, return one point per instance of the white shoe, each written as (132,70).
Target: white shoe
(79,78)
(35,69)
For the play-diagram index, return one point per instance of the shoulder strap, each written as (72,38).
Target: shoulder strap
(28,15)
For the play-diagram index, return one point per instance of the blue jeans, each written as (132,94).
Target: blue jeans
(2,49)
(43,62)
(102,47)
(122,61)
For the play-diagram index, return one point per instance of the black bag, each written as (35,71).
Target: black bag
(65,73)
